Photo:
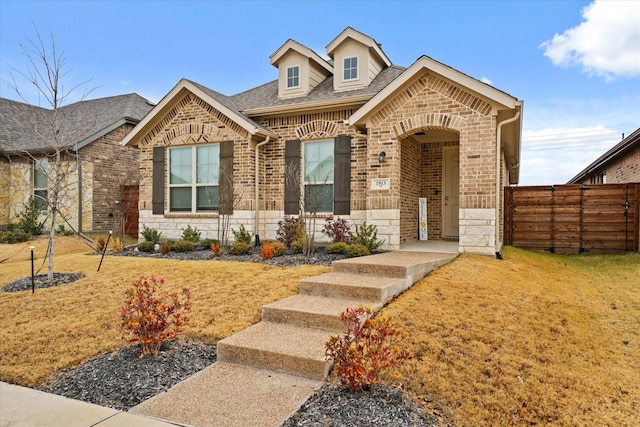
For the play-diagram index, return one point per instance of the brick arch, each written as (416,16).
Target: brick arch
(317,129)
(432,121)
(192,133)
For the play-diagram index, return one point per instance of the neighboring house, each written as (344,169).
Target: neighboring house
(619,165)
(353,136)
(97,167)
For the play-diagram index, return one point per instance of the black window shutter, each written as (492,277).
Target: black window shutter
(157,192)
(226,178)
(292,177)
(342,175)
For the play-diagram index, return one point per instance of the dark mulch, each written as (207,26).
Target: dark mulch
(380,407)
(123,379)
(320,256)
(42,282)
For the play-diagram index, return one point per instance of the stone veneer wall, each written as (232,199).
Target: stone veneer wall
(5,173)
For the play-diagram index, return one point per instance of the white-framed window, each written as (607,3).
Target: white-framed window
(41,183)
(351,68)
(599,178)
(194,175)
(293,76)
(318,176)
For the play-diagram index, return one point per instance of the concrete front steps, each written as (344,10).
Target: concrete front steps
(290,338)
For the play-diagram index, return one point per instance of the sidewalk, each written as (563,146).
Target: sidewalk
(26,407)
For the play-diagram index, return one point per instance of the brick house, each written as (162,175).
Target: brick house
(621,164)
(352,136)
(97,167)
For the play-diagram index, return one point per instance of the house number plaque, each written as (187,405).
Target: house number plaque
(381,184)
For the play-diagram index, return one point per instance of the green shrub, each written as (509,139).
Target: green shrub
(206,243)
(296,246)
(146,246)
(181,245)
(14,236)
(150,234)
(337,248)
(366,235)
(240,248)
(356,250)
(191,234)
(279,248)
(64,231)
(241,235)
(28,219)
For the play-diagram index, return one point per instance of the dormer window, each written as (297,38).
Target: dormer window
(293,76)
(351,68)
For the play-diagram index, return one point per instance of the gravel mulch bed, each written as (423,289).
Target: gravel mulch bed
(380,407)
(42,282)
(319,257)
(123,379)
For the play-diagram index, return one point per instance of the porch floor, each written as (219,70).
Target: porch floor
(443,246)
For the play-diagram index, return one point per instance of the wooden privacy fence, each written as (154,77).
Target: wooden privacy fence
(599,218)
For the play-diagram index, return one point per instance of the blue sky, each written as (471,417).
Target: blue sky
(576,64)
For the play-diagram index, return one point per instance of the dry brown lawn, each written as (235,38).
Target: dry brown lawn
(534,339)
(58,328)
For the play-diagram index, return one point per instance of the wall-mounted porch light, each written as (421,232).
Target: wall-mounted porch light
(381,156)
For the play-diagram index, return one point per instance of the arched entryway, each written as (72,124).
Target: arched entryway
(429,171)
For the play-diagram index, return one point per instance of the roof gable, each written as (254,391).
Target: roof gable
(350,33)
(220,102)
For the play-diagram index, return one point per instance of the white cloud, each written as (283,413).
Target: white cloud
(555,155)
(606,43)
(486,80)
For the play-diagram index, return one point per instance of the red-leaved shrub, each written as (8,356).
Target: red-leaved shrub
(152,317)
(215,248)
(266,250)
(366,349)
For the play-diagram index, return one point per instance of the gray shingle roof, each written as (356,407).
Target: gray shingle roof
(81,122)
(267,94)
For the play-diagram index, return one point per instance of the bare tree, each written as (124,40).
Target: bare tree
(45,72)
(228,201)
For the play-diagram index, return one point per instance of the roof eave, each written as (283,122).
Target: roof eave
(612,154)
(316,105)
(424,62)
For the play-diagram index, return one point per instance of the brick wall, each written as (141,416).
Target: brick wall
(414,170)
(625,169)
(108,166)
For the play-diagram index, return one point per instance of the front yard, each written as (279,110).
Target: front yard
(534,339)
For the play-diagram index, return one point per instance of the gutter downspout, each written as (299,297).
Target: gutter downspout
(498,184)
(257,195)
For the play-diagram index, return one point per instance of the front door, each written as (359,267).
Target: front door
(451,173)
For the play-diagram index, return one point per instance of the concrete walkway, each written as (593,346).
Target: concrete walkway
(26,407)
(263,374)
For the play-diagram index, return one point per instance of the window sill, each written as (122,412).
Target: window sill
(191,215)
